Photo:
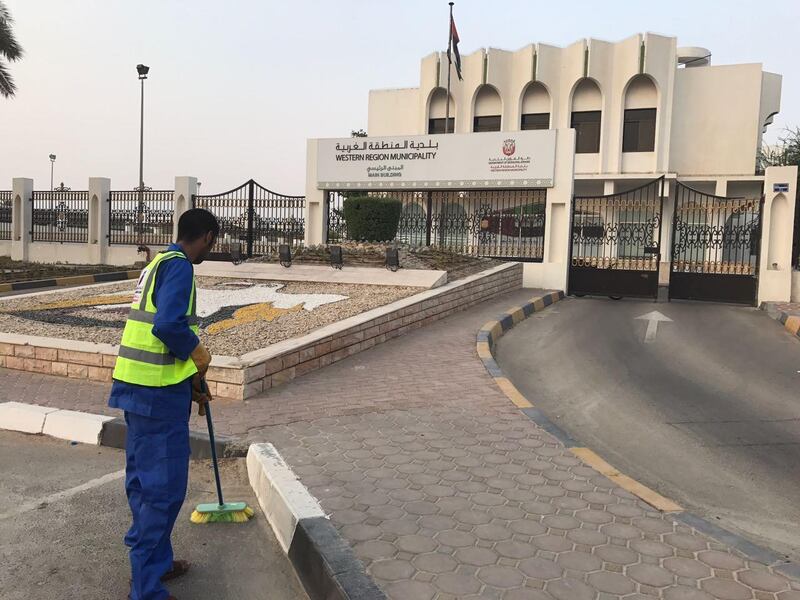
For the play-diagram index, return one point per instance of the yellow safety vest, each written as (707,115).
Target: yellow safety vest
(143,358)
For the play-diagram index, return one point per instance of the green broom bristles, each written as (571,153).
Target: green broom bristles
(237,512)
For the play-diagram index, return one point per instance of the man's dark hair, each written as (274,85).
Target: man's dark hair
(195,223)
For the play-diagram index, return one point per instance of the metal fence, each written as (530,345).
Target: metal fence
(147,221)
(6,202)
(254,219)
(60,216)
(506,224)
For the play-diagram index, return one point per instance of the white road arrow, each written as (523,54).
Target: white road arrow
(653,318)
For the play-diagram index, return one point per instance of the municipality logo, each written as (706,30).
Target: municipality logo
(509,147)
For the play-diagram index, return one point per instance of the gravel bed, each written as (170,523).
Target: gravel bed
(14,270)
(105,326)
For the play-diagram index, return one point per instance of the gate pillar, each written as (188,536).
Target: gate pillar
(777,225)
(185,191)
(99,190)
(665,239)
(21,217)
(315,212)
(552,271)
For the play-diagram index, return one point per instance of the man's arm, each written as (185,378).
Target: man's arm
(173,289)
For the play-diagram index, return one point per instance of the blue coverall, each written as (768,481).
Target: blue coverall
(157,447)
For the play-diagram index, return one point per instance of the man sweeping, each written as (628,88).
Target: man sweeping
(158,373)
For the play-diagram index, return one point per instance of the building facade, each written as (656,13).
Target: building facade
(641,108)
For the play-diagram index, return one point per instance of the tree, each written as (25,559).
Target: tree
(785,153)
(10,50)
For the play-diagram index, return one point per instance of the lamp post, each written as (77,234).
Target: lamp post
(142,70)
(52,164)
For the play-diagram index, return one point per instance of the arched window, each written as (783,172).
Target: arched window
(535,107)
(639,132)
(586,116)
(488,108)
(437,112)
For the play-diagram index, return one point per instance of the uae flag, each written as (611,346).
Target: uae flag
(454,43)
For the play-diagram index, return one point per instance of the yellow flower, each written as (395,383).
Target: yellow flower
(250,314)
(91,301)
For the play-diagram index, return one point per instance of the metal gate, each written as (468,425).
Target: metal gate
(716,243)
(502,224)
(615,249)
(254,220)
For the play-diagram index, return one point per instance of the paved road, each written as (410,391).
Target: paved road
(447,491)
(708,413)
(72,548)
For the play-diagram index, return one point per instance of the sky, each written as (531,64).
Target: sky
(236,87)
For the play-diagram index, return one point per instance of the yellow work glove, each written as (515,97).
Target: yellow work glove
(201,358)
(200,393)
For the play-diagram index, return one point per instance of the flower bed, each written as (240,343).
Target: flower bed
(243,374)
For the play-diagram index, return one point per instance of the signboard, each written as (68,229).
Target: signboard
(780,187)
(518,159)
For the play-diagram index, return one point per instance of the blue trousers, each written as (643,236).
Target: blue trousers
(156,474)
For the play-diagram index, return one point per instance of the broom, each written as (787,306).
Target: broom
(231,512)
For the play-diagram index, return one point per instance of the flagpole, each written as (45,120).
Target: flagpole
(449,63)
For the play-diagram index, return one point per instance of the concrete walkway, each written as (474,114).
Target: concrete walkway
(447,491)
(71,547)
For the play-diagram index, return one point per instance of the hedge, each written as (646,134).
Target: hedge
(371,219)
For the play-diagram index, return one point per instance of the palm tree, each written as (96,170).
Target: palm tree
(10,50)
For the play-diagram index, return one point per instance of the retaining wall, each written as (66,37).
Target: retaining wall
(246,376)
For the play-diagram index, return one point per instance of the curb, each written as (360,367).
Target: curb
(115,432)
(323,560)
(71,280)
(487,338)
(791,323)
(98,430)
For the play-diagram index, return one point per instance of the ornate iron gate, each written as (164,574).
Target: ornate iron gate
(254,220)
(60,216)
(716,243)
(615,249)
(503,224)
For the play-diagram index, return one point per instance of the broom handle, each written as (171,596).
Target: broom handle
(213,444)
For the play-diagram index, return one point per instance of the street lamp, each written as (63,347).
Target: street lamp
(52,164)
(142,70)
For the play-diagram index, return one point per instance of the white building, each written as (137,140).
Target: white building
(642,108)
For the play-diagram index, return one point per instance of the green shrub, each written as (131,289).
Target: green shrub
(371,219)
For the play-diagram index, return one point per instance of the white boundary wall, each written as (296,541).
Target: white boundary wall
(96,250)
(777,281)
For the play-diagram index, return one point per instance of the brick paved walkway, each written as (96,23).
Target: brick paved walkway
(791,308)
(446,491)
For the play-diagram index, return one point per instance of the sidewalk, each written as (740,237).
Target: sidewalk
(447,491)
(786,313)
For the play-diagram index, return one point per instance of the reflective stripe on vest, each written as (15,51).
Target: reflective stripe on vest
(142,316)
(143,358)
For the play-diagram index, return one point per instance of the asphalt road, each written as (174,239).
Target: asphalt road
(708,413)
(72,547)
